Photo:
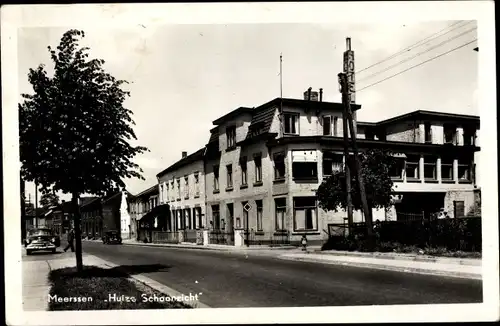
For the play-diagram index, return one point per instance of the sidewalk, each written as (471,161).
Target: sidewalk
(400,263)
(36,287)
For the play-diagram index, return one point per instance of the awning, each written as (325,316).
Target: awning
(305,156)
(157,211)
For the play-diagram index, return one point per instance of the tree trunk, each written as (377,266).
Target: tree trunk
(78,234)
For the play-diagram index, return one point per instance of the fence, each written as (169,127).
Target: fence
(189,236)
(254,238)
(451,233)
(221,237)
(165,237)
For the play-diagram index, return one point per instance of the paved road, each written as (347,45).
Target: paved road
(228,279)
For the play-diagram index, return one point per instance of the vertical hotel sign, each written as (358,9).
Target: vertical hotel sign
(349,70)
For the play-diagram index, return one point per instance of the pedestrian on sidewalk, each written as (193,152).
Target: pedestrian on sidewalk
(303,241)
(71,238)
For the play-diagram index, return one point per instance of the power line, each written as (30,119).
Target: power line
(419,54)
(409,48)
(399,73)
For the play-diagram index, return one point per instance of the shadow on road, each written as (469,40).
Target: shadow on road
(45,253)
(123,271)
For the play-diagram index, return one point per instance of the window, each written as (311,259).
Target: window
(430,167)
(258,168)
(304,212)
(216,217)
(231,136)
(243,165)
(167,192)
(464,171)
(280,205)
(172,195)
(197,211)
(279,166)
(187,219)
(196,184)
(327,125)
(469,136)
(216,178)
(245,215)
(304,165)
(229,168)
(291,123)
(427,132)
(162,198)
(412,167)
(335,126)
(396,170)
(178,188)
(186,187)
(447,168)
(332,163)
(450,133)
(258,203)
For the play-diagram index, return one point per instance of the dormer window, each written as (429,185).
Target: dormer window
(427,132)
(291,123)
(231,136)
(450,133)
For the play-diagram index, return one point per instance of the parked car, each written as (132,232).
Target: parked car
(41,239)
(112,237)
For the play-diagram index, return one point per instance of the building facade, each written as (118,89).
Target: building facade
(182,187)
(262,167)
(139,206)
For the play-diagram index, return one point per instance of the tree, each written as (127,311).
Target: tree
(375,168)
(74,129)
(48,199)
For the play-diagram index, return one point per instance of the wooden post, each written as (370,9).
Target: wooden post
(366,210)
(345,100)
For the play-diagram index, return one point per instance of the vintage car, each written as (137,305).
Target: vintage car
(41,239)
(112,236)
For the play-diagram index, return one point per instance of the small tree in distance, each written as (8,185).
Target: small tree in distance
(74,129)
(48,199)
(375,168)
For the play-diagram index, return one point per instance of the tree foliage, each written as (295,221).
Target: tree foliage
(74,128)
(375,169)
(49,199)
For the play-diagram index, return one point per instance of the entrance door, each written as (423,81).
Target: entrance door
(458,209)
(230,218)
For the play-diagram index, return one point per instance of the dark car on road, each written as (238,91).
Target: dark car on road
(112,237)
(41,239)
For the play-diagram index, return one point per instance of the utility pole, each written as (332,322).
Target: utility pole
(347,82)
(345,101)
(36,204)
(347,108)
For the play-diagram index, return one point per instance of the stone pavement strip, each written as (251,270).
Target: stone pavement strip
(36,285)
(401,265)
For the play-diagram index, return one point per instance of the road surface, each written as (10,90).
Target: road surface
(227,279)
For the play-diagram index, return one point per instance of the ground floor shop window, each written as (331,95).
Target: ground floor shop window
(305,213)
(258,204)
(280,204)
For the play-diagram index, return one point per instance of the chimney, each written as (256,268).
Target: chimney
(309,95)
(184,154)
(321,94)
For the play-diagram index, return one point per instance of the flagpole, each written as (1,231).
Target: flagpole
(281,94)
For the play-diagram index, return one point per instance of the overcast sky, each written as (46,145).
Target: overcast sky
(185,76)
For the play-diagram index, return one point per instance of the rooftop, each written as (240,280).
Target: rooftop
(196,156)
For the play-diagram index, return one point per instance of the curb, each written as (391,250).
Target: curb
(473,276)
(157,286)
(450,260)
(202,247)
